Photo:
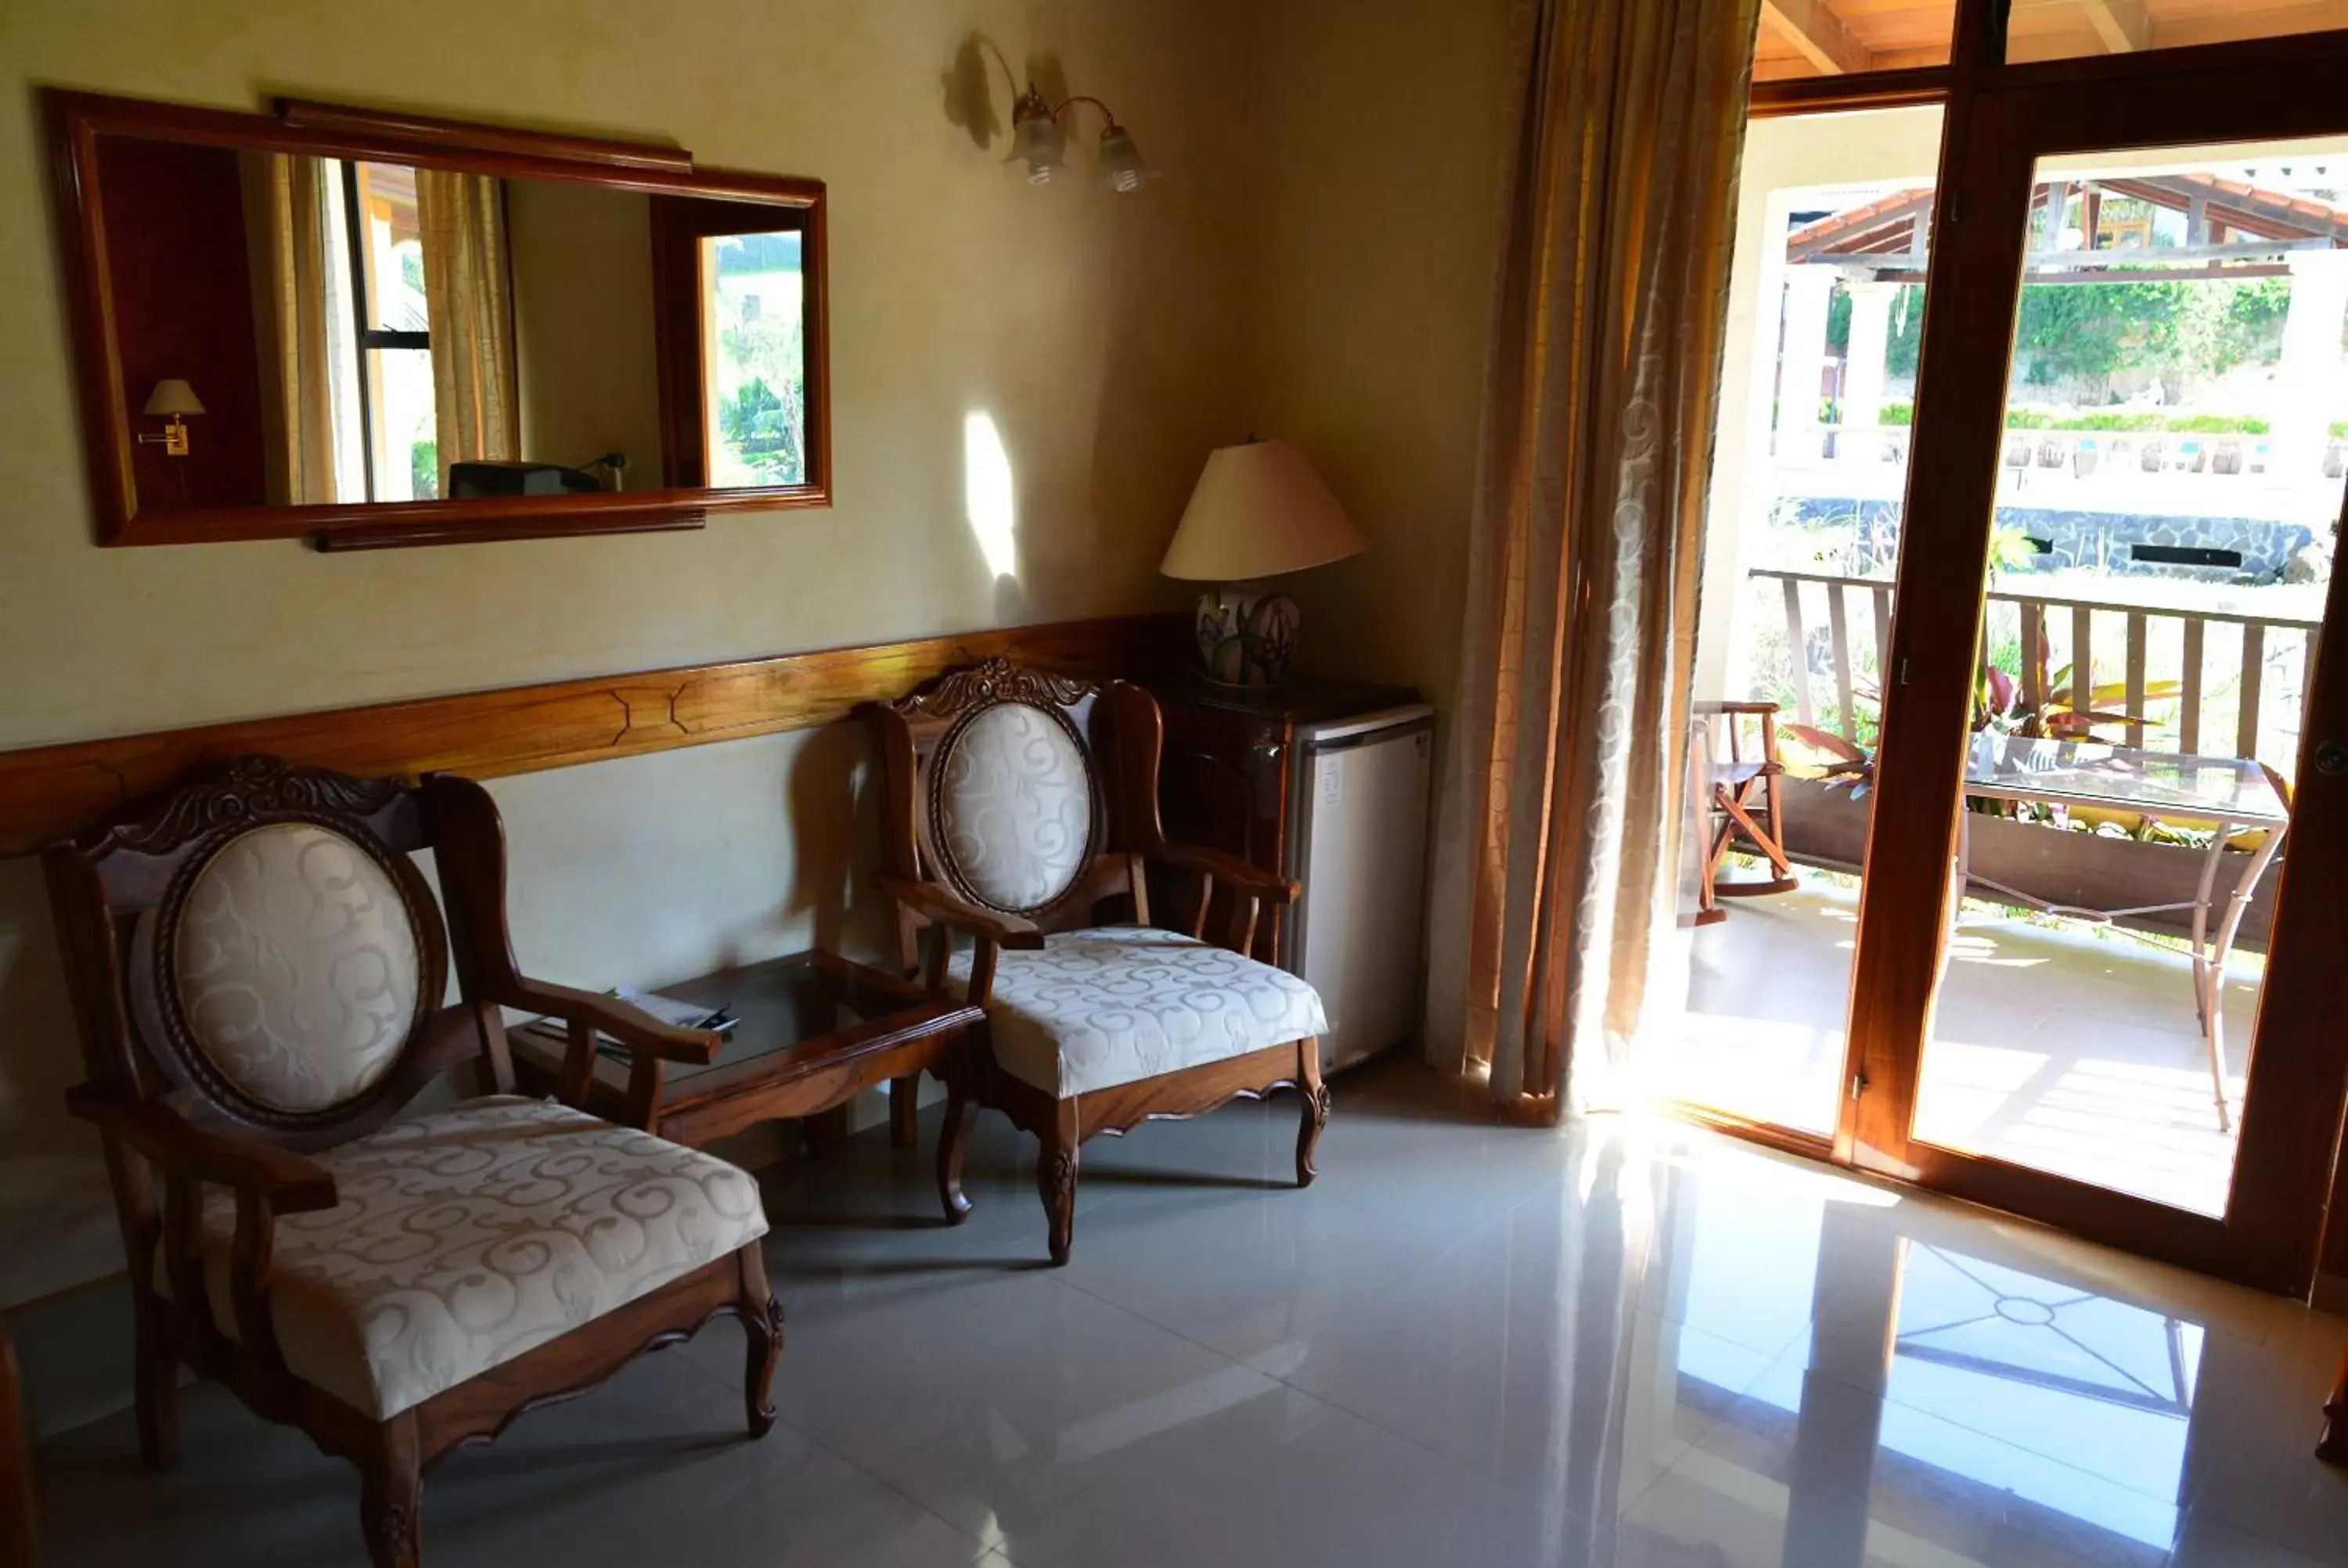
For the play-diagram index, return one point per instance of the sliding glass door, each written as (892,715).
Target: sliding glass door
(2019,779)
(2095,964)
(1810,463)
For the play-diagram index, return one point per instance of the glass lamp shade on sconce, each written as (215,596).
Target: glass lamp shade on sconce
(1258,510)
(1038,146)
(1123,170)
(1039,143)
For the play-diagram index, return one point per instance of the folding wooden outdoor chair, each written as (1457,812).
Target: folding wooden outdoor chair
(1744,803)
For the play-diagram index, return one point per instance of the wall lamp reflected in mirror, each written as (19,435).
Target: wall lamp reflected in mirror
(173,400)
(1039,141)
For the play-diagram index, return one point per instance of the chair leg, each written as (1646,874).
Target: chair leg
(155,1388)
(2333,1447)
(1314,1115)
(953,1143)
(904,1110)
(391,1488)
(1056,1180)
(762,1327)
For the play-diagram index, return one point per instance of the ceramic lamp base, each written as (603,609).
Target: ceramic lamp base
(1246,636)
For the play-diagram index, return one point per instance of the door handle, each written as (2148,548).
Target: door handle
(2332,758)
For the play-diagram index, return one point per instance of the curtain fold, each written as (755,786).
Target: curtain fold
(303,293)
(468,308)
(1561,807)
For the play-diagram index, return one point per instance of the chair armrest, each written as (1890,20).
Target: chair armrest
(1241,875)
(632,1026)
(929,898)
(1736,707)
(289,1182)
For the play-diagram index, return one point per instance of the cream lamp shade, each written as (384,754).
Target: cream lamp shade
(1258,510)
(173,397)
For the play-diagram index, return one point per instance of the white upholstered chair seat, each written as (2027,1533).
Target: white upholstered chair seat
(1116,1004)
(469,1236)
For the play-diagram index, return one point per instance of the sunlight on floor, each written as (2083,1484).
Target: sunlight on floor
(2057,1046)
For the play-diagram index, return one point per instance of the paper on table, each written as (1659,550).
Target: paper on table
(665,1010)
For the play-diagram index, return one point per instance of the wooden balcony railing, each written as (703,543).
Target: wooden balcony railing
(2261,706)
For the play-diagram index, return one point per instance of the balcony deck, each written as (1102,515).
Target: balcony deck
(2055,1047)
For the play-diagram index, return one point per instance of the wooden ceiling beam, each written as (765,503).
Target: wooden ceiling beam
(1818,34)
(2123,26)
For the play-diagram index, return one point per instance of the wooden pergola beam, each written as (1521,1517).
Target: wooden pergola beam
(1818,34)
(2123,26)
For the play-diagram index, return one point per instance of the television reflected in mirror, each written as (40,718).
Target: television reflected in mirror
(381,329)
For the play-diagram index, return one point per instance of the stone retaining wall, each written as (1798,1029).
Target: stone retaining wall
(2088,542)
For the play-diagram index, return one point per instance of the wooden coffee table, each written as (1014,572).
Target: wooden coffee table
(814,1031)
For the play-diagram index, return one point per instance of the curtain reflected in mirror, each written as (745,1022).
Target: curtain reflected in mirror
(392,296)
(469,304)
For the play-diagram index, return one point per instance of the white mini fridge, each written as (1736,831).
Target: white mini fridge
(1358,843)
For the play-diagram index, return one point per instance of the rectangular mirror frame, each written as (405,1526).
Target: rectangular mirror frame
(76,120)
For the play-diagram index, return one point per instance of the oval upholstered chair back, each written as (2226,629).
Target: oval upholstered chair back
(1006,784)
(279,955)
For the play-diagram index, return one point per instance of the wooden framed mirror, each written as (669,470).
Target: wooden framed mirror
(375,330)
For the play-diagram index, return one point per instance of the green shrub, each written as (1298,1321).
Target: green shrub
(2130,420)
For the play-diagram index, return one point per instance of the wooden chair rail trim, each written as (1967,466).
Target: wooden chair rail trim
(49,792)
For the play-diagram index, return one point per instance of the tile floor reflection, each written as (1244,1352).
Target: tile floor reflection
(1631,1346)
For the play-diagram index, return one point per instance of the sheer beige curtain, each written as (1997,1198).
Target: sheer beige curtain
(468,307)
(1562,793)
(303,299)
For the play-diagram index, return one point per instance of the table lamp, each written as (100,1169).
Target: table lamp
(1258,510)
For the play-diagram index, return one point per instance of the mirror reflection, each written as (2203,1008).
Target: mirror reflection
(301,331)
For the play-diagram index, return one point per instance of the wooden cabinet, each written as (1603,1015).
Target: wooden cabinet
(1227,780)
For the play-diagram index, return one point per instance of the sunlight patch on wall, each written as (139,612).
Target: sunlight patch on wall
(988,499)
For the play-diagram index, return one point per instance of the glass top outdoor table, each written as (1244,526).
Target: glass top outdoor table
(2088,773)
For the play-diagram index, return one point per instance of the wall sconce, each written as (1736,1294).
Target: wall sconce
(174,400)
(1038,141)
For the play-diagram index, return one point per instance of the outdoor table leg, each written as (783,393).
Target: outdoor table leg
(2213,1004)
(2202,895)
(1961,874)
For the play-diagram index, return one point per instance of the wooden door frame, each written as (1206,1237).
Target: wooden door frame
(2000,120)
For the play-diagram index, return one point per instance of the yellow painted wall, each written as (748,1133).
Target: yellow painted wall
(583,353)
(1314,263)
(1380,136)
(1099,337)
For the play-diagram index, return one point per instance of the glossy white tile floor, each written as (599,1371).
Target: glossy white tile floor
(1627,1345)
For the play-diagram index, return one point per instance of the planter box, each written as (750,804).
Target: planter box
(1826,827)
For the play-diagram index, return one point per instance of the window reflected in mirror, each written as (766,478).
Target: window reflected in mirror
(754,358)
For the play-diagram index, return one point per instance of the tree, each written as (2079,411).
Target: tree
(765,419)
(2182,329)
(1906,336)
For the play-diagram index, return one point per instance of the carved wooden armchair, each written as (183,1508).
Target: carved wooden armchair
(1019,804)
(258,971)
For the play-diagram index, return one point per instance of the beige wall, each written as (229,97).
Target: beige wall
(583,354)
(1100,337)
(1379,139)
(1315,265)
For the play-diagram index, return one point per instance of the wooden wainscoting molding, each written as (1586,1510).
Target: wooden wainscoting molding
(47,791)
